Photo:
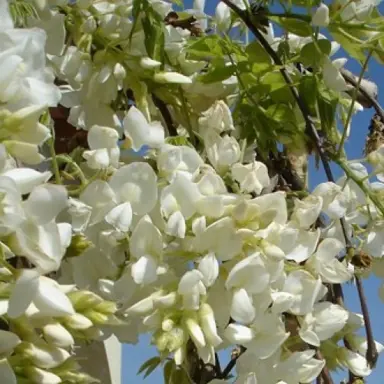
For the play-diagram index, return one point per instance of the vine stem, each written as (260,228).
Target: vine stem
(356,90)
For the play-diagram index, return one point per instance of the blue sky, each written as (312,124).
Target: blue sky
(134,356)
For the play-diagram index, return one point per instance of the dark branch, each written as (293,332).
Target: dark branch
(227,370)
(350,78)
(166,115)
(372,354)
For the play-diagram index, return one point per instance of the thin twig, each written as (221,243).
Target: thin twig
(372,354)
(227,370)
(350,79)
(325,375)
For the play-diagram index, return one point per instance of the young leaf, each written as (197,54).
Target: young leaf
(168,369)
(149,366)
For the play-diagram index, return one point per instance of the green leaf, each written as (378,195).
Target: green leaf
(281,113)
(154,39)
(206,47)
(310,55)
(179,376)
(308,91)
(257,53)
(218,73)
(168,370)
(298,27)
(279,90)
(327,105)
(349,43)
(149,366)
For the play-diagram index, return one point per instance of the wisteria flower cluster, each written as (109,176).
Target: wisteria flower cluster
(208,239)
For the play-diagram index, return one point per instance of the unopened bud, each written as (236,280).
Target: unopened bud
(43,355)
(195,331)
(79,244)
(96,317)
(57,335)
(177,338)
(89,25)
(208,324)
(83,300)
(40,376)
(106,307)
(78,322)
(167,325)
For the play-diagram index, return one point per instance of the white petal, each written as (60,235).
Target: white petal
(23,293)
(8,341)
(305,246)
(309,337)
(146,239)
(356,363)
(6,372)
(328,249)
(51,301)
(144,270)
(238,334)
(209,267)
(120,217)
(136,183)
(176,225)
(189,280)
(140,132)
(26,178)
(45,202)
(242,309)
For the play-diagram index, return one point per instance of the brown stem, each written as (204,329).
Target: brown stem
(227,370)
(325,376)
(348,76)
(166,115)
(372,354)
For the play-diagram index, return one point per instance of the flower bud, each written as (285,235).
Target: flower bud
(208,324)
(179,356)
(57,335)
(83,300)
(167,325)
(8,341)
(40,376)
(148,63)
(106,307)
(171,78)
(321,16)
(165,301)
(43,355)
(177,338)
(77,322)
(161,340)
(89,25)
(79,244)
(96,317)
(195,331)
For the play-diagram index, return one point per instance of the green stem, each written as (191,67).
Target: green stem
(187,117)
(354,98)
(55,165)
(350,174)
